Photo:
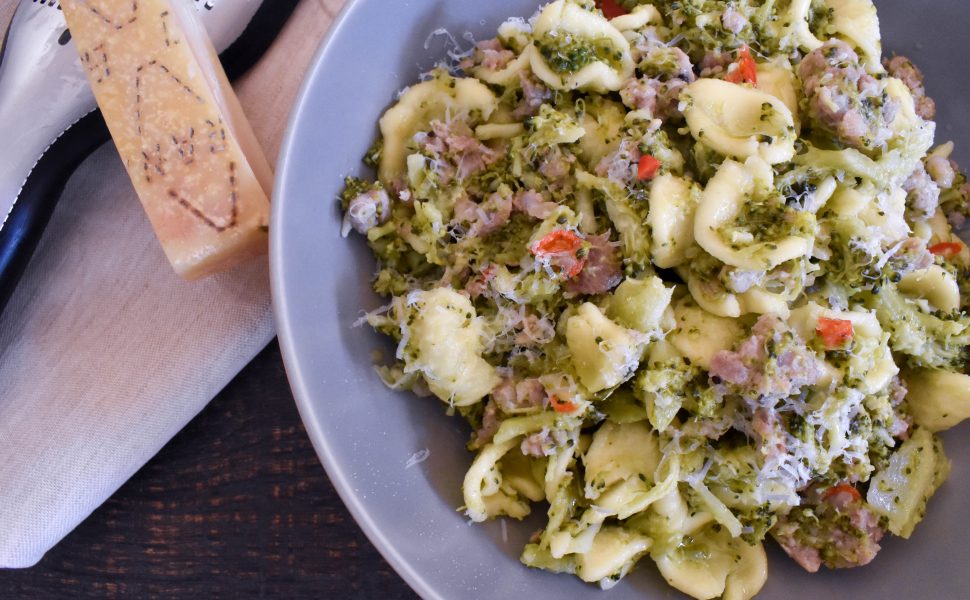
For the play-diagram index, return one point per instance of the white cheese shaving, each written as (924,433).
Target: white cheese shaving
(417,458)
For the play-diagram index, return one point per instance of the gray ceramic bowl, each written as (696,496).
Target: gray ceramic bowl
(365,434)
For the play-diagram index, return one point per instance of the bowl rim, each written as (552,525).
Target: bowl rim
(295,371)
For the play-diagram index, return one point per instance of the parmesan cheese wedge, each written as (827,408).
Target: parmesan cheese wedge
(189,150)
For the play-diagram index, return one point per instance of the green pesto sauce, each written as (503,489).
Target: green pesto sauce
(567,54)
(772,219)
(373,157)
(505,245)
(820,17)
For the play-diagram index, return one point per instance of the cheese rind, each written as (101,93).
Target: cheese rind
(189,150)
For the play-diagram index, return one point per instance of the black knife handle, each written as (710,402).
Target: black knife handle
(257,37)
(37,199)
(36,202)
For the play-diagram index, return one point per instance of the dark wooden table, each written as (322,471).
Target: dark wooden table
(235,506)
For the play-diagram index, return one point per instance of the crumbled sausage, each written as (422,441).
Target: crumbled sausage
(903,69)
(772,362)
(368,210)
(833,527)
(602,271)
(844,98)
(922,193)
(455,150)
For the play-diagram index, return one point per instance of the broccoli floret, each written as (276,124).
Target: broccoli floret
(551,127)
(628,212)
(851,264)
(373,157)
(926,338)
(662,387)
(699,22)
(954,199)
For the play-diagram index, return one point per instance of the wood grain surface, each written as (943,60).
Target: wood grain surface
(235,506)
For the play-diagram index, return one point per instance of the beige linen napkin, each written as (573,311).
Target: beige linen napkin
(105,353)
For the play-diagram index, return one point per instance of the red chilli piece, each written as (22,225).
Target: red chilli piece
(647,167)
(562,248)
(486,275)
(562,406)
(610,8)
(488,272)
(946,249)
(842,488)
(747,69)
(835,333)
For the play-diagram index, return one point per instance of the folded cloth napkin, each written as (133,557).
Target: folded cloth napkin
(105,354)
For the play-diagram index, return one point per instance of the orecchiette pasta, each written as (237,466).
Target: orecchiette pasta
(856,21)
(492,131)
(640,304)
(880,210)
(938,399)
(673,201)
(620,465)
(603,125)
(444,344)
(935,284)
(700,335)
(758,301)
(483,480)
(778,79)
(795,21)
(509,74)
(807,24)
(640,17)
(716,300)
(871,362)
(722,201)
(899,493)
(438,98)
(604,354)
(703,569)
(750,574)
(739,122)
(690,275)
(613,552)
(562,26)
